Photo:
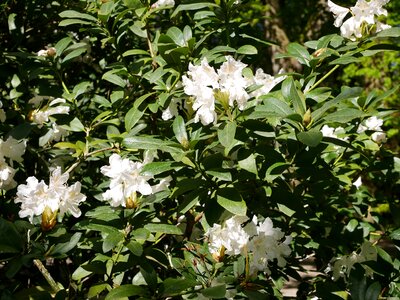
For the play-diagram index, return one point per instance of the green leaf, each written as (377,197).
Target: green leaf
(192,6)
(310,138)
(390,32)
(358,283)
(113,78)
(62,45)
(135,247)
(300,53)
(272,107)
(214,292)
(344,115)
(231,200)
(76,125)
(112,240)
(175,286)
(176,35)
(286,210)
(63,248)
(179,129)
(134,114)
(163,228)
(135,52)
(395,235)
(7,244)
(347,93)
(155,168)
(226,135)
(124,291)
(247,50)
(221,174)
(97,289)
(150,143)
(352,225)
(72,14)
(291,94)
(345,60)
(373,291)
(249,164)
(73,54)
(68,22)
(149,274)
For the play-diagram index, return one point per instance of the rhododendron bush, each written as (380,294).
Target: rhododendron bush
(146,152)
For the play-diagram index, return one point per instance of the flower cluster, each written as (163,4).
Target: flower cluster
(260,241)
(363,13)
(343,265)
(226,85)
(126,181)
(163,3)
(36,197)
(13,150)
(373,124)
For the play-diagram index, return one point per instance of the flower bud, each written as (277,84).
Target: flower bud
(49,219)
(219,255)
(132,201)
(307,118)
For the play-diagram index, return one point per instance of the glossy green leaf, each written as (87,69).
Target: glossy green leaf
(247,50)
(179,129)
(310,138)
(192,6)
(373,291)
(214,292)
(150,143)
(231,200)
(72,14)
(300,53)
(114,78)
(135,247)
(175,286)
(292,95)
(63,248)
(226,135)
(74,54)
(125,291)
(163,228)
(158,167)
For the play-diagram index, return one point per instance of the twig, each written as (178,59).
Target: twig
(46,275)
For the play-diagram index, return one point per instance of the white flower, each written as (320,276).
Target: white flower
(6,176)
(41,116)
(343,265)
(162,3)
(71,199)
(35,196)
(12,148)
(339,12)
(358,182)
(373,123)
(363,12)
(267,246)
(42,53)
(232,81)
(126,179)
(265,81)
(262,241)
(57,132)
(379,137)
(172,109)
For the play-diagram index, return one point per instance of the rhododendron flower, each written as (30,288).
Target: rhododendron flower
(227,85)
(343,265)
(261,241)
(267,245)
(56,106)
(36,196)
(163,3)
(363,12)
(265,82)
(374,124)
(7,173)
(12,148)
(126,180)
(358,182)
